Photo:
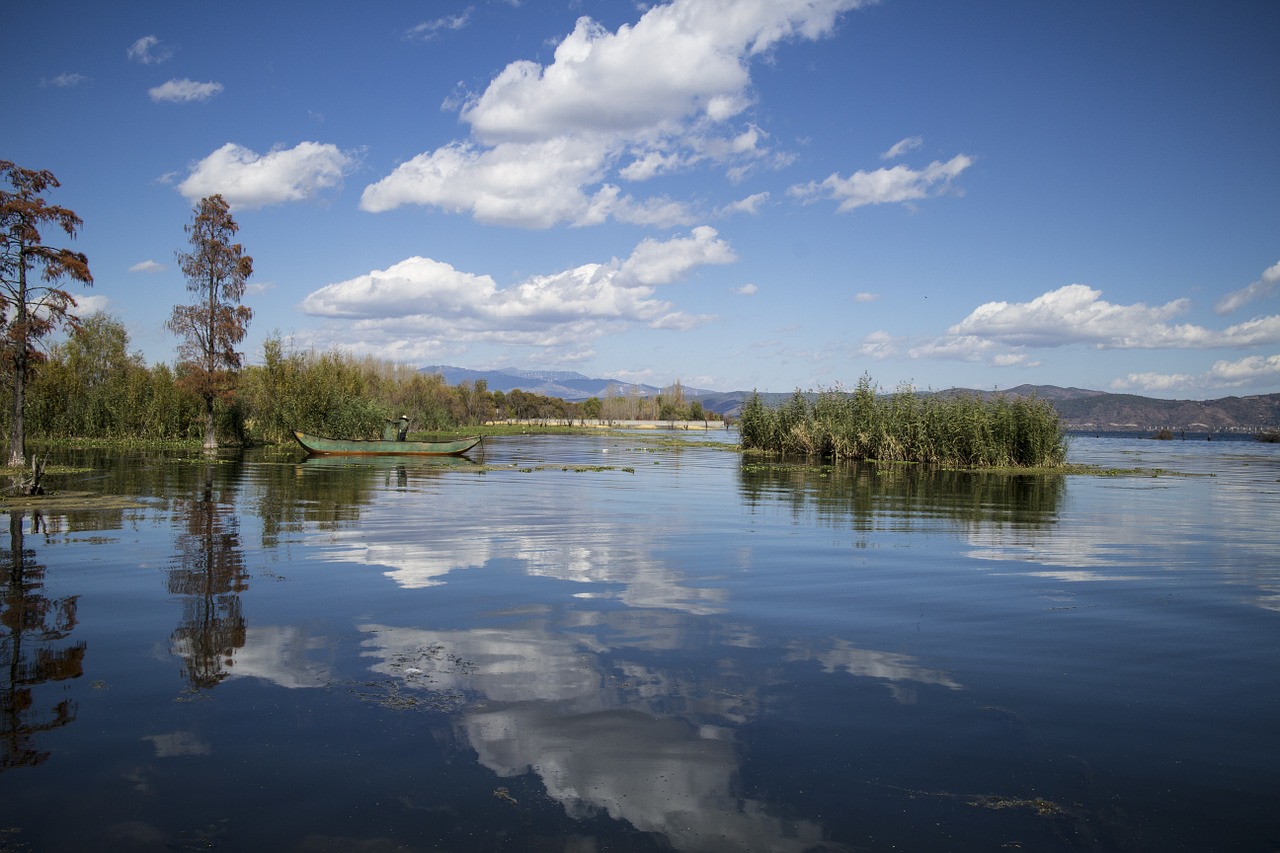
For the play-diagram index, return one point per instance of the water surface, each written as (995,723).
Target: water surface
(614,643)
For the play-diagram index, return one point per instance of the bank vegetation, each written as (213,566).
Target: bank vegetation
(91,386)
(961,431)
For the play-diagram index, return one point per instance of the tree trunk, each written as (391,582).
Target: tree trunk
(210,437)
(17,429)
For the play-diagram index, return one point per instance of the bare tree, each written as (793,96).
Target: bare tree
(32,306)
(216,271)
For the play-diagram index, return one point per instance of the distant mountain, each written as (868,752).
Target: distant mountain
(1080,408)
(1098,410)
(564,384)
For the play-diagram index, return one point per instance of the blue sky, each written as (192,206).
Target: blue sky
(738,194)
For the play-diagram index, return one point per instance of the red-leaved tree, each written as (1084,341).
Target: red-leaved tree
(31,303)
(212,326)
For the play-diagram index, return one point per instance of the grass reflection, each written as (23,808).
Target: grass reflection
(855,493)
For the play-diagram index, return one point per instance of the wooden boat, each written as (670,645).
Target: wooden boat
(320,446)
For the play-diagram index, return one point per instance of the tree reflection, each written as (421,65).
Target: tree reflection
(33,624)
(209,575)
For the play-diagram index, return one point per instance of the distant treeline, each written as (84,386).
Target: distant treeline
(92,386)
(960,431)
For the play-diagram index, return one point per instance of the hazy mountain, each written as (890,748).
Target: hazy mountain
(1080,408)
(564,384)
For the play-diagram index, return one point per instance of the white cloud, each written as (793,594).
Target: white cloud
(1077,315)
(1249,369)
(748,290)
(750,205)
(147,266)
(1155,382)
(884,186)
(1253,369)
(878,345)
(149,51)
(532,185)
(865,297)
(184,91)
(902,146)
(67,81)
(1257,290)
(428,30)
(419,301)
(956,348)
(547,140)
(87,306)
(248,180)
(659,262)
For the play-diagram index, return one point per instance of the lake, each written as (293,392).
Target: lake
(593,643)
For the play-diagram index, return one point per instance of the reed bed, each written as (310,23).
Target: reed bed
(961,431)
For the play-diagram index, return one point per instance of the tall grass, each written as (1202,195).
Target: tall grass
(963,431)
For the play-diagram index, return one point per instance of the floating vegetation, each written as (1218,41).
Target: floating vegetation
(411,687)
(531,469)
(68,501)
(962,431)
(1039,805)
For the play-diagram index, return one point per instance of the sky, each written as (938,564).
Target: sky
(735,194)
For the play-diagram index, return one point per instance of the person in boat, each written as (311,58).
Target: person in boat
(396,430)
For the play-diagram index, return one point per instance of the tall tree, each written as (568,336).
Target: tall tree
(216,271)
(31,306)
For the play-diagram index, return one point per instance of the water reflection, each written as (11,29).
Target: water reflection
(543,700)
(902,497)
(31,651)
(897,671)
(208,576)
(695,655)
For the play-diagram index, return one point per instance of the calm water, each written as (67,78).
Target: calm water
(593,643)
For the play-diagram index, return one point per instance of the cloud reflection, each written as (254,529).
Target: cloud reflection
(550,706)
(891,667)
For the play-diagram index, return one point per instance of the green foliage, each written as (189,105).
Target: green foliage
(92,387)
(31,306)
(959,431)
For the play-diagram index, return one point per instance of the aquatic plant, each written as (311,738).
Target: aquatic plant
(961,430)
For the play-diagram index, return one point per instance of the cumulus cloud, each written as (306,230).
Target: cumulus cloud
(1257,290)
(884,186)
(1157,382)
(1263,370)
(1076,314)
(878,345)
(147,266)
(149,51)
(1249,369)
(249,180)
(662,262)
(1001,333)
(748,290)
(184,91)
(865,297)
(87,306)
(419,300)
(749,205)
(549,141)
(902,146)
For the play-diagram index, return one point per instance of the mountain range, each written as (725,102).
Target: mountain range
(1080,408)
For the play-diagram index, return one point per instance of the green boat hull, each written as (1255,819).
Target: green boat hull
(320,446)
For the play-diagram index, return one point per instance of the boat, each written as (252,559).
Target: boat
(318,445)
